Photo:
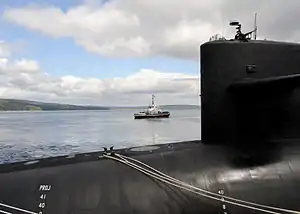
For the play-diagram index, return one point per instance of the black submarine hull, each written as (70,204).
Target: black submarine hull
(89,184)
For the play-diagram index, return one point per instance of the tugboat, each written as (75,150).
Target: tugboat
(153,111)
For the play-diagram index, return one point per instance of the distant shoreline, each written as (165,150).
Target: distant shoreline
(15,105)
(27,105)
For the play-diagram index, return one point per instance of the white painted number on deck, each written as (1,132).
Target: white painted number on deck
(43,189)
(224,208)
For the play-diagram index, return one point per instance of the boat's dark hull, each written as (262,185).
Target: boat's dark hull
(151,116)
(90,185)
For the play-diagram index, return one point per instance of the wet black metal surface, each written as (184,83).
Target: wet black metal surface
(267,175)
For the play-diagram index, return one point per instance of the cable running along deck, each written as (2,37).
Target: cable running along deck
(154,173)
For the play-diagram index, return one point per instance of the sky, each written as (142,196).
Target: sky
(119,52)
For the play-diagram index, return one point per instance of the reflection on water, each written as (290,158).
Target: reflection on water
(29,135)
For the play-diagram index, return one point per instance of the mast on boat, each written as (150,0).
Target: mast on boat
(153,101)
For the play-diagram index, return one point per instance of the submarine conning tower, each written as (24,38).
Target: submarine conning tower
(249,91)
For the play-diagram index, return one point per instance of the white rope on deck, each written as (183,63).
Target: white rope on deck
(182,185)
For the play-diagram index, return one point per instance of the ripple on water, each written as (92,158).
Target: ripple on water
(27,136)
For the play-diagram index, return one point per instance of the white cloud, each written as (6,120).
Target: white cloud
(129,28)
(124,28)
(24,79)
(135,28)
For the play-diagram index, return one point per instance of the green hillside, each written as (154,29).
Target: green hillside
(27,105)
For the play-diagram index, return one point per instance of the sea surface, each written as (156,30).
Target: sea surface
(31,135)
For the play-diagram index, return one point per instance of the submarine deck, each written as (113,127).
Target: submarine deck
(94,156)
(106,186)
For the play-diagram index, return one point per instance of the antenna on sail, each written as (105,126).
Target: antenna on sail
(244,36)
(255,27)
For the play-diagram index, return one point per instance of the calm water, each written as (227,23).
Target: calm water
(30,135)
